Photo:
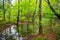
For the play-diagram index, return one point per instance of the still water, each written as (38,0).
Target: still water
(7,33)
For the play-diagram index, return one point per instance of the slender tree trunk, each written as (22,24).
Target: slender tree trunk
(18,18)
(4,14)
(9,9)
(28,27)
(33,20)
(9,16)
(40,18)
(28,22)
(9,2)
(33,17)
(4,10)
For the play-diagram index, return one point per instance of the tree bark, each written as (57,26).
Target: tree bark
(4,10)
(18,18)
(39,12)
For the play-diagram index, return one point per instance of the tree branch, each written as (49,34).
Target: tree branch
(49,4)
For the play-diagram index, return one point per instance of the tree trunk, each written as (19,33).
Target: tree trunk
(9,9)
(18,18)
(28,21)
(39,12)
(3,10)
(33,17)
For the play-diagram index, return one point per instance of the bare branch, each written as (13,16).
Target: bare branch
(53,10)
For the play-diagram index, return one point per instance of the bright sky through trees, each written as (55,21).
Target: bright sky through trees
(12,1)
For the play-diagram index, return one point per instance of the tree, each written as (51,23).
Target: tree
(53,10)
(28,21)
(9,3)
(33,16)
(39,12)
(4,9)
(18,18)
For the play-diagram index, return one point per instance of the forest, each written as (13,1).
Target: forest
(29,19)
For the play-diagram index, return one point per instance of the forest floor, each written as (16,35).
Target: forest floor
(48,36)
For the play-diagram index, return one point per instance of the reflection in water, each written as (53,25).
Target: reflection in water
(13,30)
(13,33)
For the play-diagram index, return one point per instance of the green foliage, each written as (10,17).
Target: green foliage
(28,8)
(38,38)
(58,30)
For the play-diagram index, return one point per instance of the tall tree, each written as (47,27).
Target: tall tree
(33,16)
(18,17)
(4,9)
(40,18)
(28,21)
(9,2)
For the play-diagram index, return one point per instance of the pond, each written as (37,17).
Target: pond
(10,32)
